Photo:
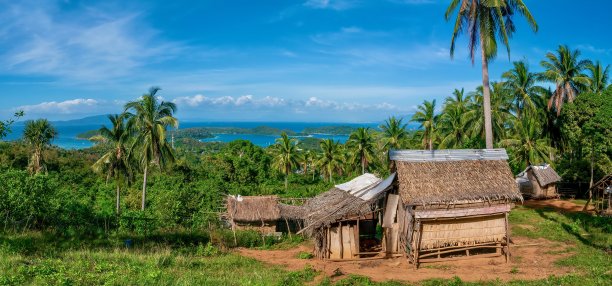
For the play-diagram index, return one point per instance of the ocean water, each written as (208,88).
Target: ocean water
(67,133)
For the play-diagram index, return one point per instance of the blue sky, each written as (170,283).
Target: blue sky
(309,60)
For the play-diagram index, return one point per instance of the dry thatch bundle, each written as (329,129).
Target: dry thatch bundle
(291,211)
(454,181)
(544,174)
(253,208)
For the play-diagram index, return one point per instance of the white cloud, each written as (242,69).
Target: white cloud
(64,107)
(244,100)
(331,4)
(95,45)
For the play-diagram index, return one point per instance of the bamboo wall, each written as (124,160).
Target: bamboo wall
(462,232)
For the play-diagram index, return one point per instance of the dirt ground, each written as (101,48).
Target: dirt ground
(531,259)
(560,205)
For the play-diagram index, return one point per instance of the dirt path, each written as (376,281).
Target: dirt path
(560,205)
(535,260)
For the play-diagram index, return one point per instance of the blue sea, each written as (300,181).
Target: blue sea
(67,132)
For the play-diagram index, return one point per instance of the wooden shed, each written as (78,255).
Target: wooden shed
(456,203)
(538,182)
(601,194)
(343,220)
(260,213)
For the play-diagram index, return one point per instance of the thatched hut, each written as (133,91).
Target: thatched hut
(260,213)
(601,194)
(454,203)
(538,182)
(343,220)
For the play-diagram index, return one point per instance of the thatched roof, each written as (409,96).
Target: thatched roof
(454,176)
(291,211)
(253,208)
(544,174)
(336,204)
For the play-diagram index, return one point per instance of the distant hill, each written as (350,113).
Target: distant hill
(90,120)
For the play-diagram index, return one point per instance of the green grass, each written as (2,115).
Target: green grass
(192,259)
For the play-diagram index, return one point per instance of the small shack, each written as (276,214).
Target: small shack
(343,221)
(455,203)
(538,182)
(601,194)
(260,213)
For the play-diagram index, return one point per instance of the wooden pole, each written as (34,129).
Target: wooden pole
(417,248)
(288,228)
(507,240)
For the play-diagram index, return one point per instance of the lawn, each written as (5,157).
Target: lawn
(43,259)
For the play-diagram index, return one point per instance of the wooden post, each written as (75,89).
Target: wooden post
(340,238)
(507,240)
(417,248)
(288,228)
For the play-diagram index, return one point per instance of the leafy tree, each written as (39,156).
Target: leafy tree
(501,115)
(598,77)
(38,134)
(426,116)
(485,22)
(528,143)
(451,127)
(565,70)
(522,84)
(285,155)
(362,145)
(115,163)
(5,126)
(330,159)
(149,120)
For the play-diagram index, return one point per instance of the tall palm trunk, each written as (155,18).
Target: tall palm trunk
(363,163)
(118,192)
(144,186)
(486,96)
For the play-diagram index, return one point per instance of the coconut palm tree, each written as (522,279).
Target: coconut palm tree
(458,101)
(522,84)
(331,158)
(485,22)
(451,127)
(393,133)
(114,163)
(150,118)
(426,116)
(529,143)
(564,69)
(599,77)
(362,145)
(38,134)
(501,103)
(286,155)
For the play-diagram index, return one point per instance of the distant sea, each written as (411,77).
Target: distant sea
(67,132)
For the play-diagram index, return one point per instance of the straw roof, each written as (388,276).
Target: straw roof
(336,204)
(454,176)
(291,211)
(544,174)
(253,208)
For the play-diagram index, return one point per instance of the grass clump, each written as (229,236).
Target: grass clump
(304,255)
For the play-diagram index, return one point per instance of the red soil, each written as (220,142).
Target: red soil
(533,259)
(559,205)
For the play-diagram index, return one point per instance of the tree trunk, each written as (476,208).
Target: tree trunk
(286,181)
(118,192)
(592,163)
(144,187)
(486,98)
(362,165)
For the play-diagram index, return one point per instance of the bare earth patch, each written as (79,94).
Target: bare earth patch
(559,205)
(531,259)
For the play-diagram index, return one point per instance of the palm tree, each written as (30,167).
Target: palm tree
(286,155)
(426,116)
(393,133)
(114,163)
(451,127)
(149,121)
(522,84)
(485,22)
(362,145)
(38,134)
(599,77)
(529,143)
(564,69)
(331,158)
(458,101)
(501,116)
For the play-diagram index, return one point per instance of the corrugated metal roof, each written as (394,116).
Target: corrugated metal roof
(447,155)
